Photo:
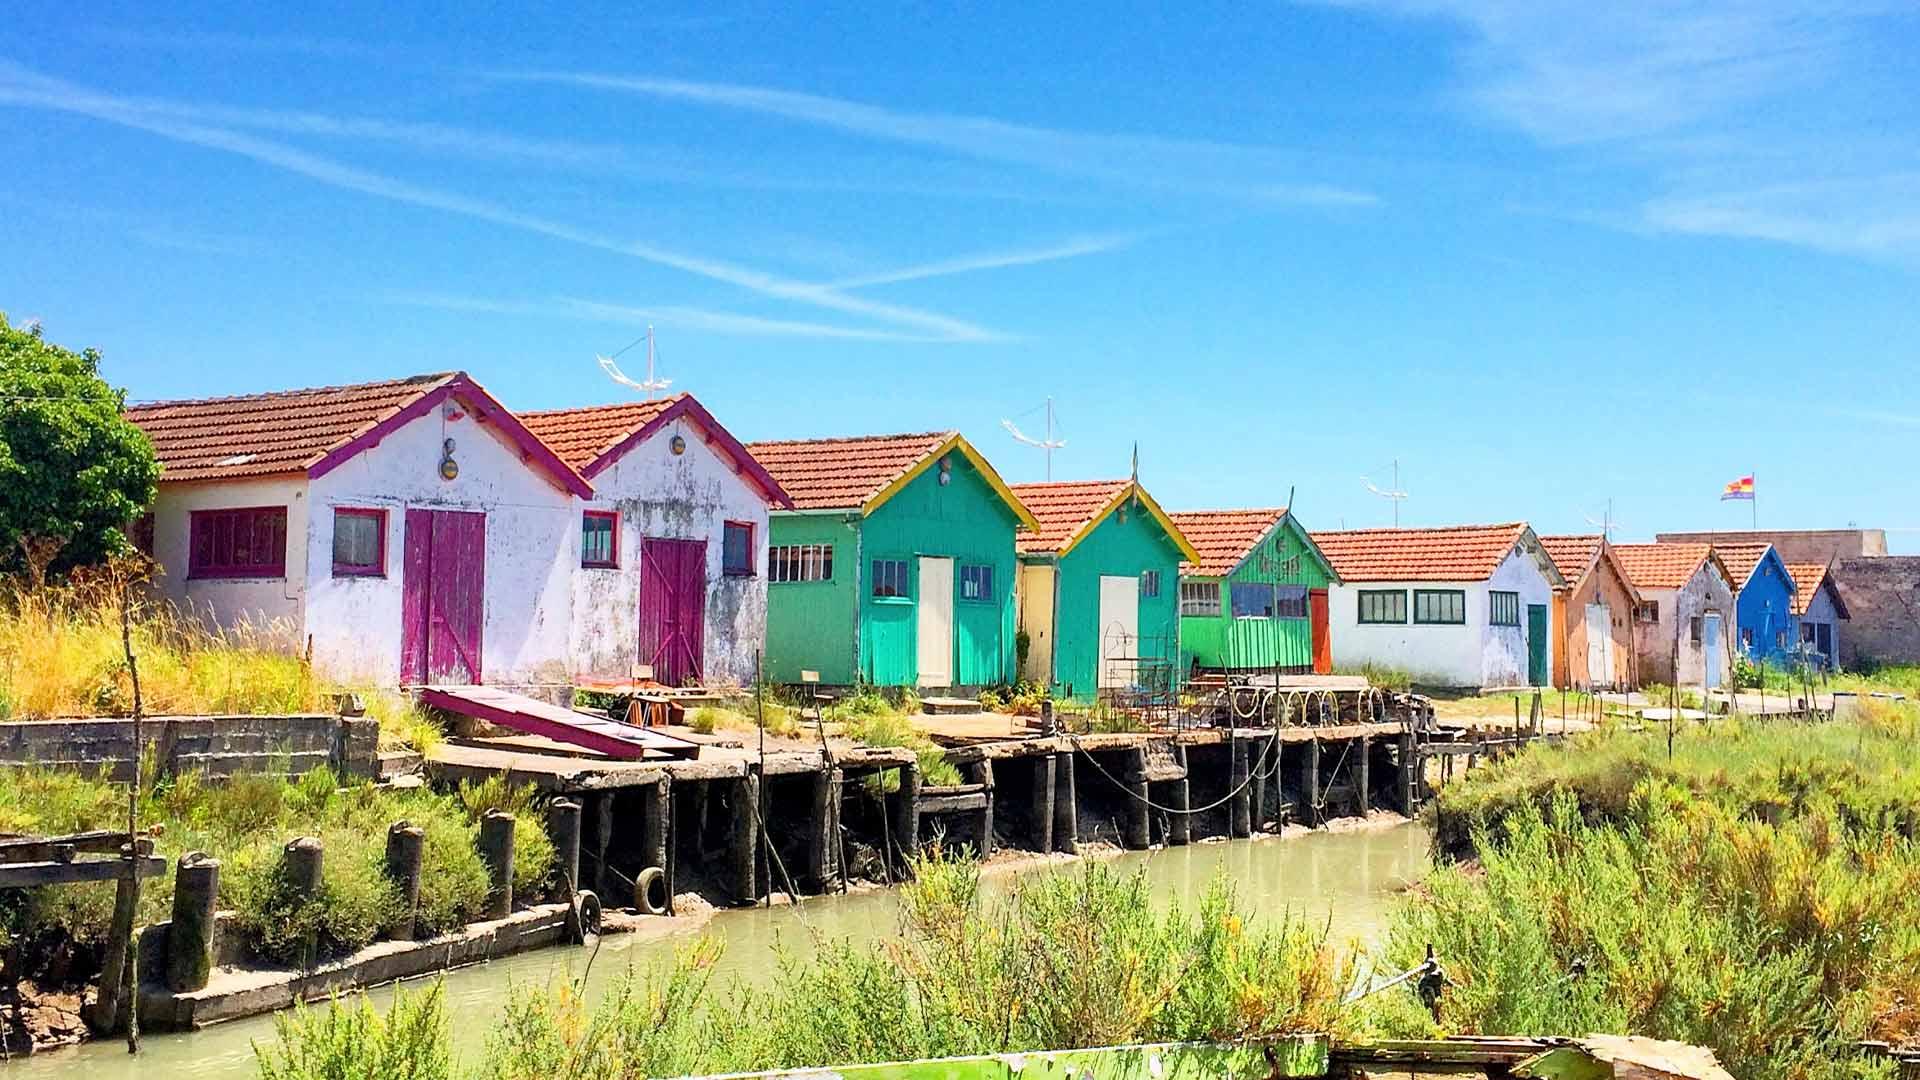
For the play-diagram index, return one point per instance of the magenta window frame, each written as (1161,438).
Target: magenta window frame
(736,571)
(379,567)
(612,561)
(200,522)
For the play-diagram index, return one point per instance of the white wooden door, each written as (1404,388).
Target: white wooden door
(1599,645)
(1119,629)
(934,628)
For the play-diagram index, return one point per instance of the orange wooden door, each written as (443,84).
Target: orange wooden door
(1317,622)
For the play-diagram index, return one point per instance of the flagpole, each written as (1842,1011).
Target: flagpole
(1754,502)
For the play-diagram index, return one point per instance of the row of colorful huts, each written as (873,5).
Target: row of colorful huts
(416,530)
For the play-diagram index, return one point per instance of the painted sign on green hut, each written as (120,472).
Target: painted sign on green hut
(896,565)
(1256,597)
(1097,587)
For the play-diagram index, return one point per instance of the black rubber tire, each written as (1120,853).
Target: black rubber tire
(650,892)
(586,915)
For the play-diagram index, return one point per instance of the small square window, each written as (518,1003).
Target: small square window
(359,542)
(736,549)
(1503,608)
(1252,600)
(1647,611)
(890,579)
(1200,598)
(976,583)
(1383,606)
(1441,607)
(1149,584)
(1290,601)
(599,539)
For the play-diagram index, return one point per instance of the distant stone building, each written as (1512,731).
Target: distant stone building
(1795,545)
(1882,598)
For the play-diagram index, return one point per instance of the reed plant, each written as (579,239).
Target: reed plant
(1068,959)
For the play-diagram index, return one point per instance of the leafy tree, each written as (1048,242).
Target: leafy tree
(73,471)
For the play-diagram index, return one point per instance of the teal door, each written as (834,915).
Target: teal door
(1536,644)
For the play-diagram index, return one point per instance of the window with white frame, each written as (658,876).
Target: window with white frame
(1200,598)
(800,562)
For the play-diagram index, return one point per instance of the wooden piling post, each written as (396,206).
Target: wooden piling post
(602,840)
(1066,805)
(563,828)
(1138,835)
(406,853)
(905,812)
(1365,777)
(743,846)
(496,850)
(982,771)
(656,830)
(822,840)
(196,896)
(1240,824)
(1043,796)
(113,1008)
(1409,775)
(1315,809)
(1179,800)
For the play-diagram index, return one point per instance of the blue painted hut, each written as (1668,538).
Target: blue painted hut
(1764,594)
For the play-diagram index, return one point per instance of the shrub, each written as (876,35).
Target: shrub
(533,854)
(348,1040)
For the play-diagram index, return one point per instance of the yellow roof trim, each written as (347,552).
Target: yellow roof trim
(1180,541)
(986,471)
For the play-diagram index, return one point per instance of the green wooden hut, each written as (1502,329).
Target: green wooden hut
(896,565)
(1098,586)
(1256,598)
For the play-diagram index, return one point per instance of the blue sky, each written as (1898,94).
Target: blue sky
(1546,256)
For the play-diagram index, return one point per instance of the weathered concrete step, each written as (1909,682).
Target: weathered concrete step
(948,706)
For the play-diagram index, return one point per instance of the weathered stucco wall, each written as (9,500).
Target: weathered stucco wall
(689,496)
(1707,592)
(1469,654)
(272,608)
(1504,657)
(532,551)
(1882,596)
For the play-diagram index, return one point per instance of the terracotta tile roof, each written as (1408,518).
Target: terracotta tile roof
(1452,553)
(1660,566)
(1063,508)
(831,474)
(1806,581)
(1572,554)
(581,435)
(1740,559)
(1223,537)
(269,434)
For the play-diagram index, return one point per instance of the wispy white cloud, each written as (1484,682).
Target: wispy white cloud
(1135,161)
(965,264)
(665,315)
(26,88)
(1751,118)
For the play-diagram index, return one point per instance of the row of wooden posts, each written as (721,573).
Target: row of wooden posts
(189,959)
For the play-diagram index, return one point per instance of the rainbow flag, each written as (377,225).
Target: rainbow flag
(1739,489)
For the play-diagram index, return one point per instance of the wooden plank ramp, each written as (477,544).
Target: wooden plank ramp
(536,717)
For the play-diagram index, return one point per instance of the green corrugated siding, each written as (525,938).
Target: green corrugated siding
(810,623)
(1115,548)
(967,522)
(1227,642)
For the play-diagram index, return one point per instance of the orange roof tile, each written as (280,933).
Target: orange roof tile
(1063,508)
(1660,566)
(269,434)
(1224,537)
(581,435)
(831,474)
(1806,581)
(1741,558)
(310,431)
(1451,553)
(1572,554)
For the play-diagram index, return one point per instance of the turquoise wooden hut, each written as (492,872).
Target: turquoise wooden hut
(896,565)
(1098,586)
(1255,598)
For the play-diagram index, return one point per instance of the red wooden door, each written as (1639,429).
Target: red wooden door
(1317,623)
(443,596)
(673,605)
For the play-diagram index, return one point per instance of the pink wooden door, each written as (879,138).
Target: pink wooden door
(673,604)
(443,596)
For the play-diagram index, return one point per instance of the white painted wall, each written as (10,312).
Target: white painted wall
(533,545)
(1472,654)
(684,497)
(272,609)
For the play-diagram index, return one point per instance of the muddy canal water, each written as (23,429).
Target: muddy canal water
(1346,877)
